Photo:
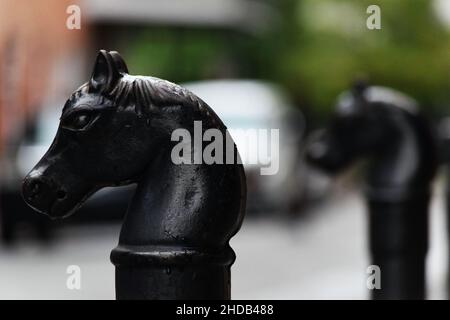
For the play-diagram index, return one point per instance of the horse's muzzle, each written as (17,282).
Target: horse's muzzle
(40,193)
(324,153)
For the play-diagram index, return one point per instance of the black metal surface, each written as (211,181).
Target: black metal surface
(115,130)
(386,127)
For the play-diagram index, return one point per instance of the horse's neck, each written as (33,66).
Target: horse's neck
(401,165)
(155,200)
(183,204)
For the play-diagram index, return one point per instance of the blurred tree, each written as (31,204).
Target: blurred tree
(329,45)
(189,54)
(313,48)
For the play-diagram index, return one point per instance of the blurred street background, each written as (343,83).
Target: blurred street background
(258,64)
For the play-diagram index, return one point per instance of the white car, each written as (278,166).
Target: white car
(251,105)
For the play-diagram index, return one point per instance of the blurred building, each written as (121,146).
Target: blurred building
(34,40)
(41,60)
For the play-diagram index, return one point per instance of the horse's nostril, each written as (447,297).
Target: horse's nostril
(61,194)
(35,189)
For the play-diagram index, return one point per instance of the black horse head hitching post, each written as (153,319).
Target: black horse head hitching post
(116,129)
(386,126)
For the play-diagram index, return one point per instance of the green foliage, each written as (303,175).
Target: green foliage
(332,46)
(315,49)
(184,54)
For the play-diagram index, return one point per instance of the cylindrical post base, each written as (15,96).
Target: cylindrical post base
(402,278)
(169,273)
(398,243)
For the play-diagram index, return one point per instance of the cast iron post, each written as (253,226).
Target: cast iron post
(119,129)
(386,127)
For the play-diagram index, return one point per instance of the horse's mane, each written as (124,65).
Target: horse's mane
(147,94)
(378,96)
(111,80)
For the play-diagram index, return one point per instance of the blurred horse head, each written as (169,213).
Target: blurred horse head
(380,124)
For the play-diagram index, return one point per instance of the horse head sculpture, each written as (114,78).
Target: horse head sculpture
(115,130)
(386,127)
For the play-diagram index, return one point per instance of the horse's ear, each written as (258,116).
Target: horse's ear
(120,63)
(105,73)
(359,86)
(358,89)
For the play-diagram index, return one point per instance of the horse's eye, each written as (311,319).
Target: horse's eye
(78,121)
(81,121)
